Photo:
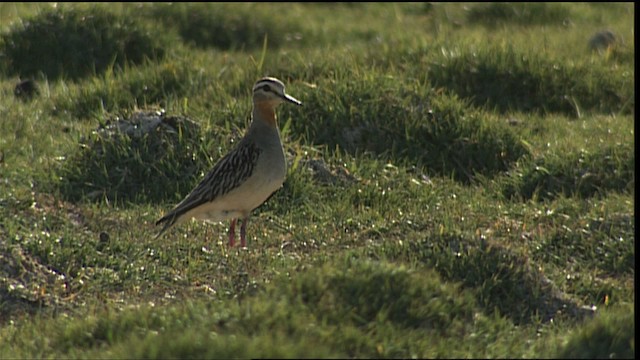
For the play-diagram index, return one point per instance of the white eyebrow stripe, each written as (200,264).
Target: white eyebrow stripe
(264,82)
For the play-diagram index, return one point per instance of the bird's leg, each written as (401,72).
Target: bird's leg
(232,232)
(243,232)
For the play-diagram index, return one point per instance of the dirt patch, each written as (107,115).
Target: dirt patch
(26,285)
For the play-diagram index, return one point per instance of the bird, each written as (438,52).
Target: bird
(245,177)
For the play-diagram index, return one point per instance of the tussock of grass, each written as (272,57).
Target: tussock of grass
(501,13)
(509,80)
(610,335)
(505,282)
(581,173)
(76,43)
(115,166)
(226,26)
(372,291)
(389,118)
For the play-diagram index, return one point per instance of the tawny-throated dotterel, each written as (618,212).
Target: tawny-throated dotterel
(244,178)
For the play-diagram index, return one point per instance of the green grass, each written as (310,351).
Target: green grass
(461,181)
(75,44)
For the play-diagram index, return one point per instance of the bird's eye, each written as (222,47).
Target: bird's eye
(266,88)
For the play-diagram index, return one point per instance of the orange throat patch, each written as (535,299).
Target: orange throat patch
(267,112)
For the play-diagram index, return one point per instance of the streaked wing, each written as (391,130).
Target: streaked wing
(228,173)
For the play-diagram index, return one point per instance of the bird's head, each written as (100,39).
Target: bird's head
(271,90)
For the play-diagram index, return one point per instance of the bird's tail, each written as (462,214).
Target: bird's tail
(169,220)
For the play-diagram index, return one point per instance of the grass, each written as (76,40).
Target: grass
(75,43)
(460,184)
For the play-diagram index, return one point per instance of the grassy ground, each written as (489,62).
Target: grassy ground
(461,181)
